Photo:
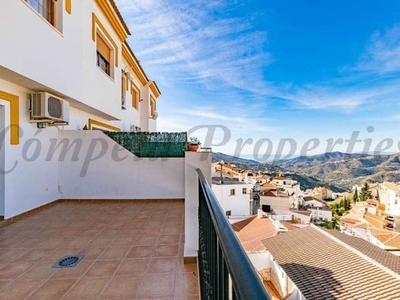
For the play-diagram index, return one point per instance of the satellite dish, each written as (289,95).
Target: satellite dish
(155,115)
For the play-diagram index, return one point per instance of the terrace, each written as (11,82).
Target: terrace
(155,232)
(133,250)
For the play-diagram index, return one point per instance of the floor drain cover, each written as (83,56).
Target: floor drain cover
(68,261)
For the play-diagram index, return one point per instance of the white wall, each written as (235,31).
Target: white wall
(117,173)
(321,214)
(31,180)
(238,204)
(2,159)
(24,51)
(194,160)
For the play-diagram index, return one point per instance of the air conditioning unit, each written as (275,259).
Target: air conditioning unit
(45,106)
(123,100)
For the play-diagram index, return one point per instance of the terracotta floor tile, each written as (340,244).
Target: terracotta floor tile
(3,283)
(156,285)
(20,289)
(53,289)
(12,254)
(103,268)
(77,242)
(122,288)
(186,284)
(154,230)
(74,272)
(42,270)
(114,252)
(190,297)
(166,250)
(61,252)
(140,251)
(8,242)
(173,229)
(27,243)
(155,222)
(14,270)
(133,266)
(169,239)
(160,265)
(146,240)
(35,254)
(87,288)
(135,223)
(124,241)
(100,242)
(52,243)
(92,253)
(129,232)
(88,233)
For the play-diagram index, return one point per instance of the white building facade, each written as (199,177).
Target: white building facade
(233,196)
(74,57)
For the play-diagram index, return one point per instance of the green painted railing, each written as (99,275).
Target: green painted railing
(225,270)
(152,144)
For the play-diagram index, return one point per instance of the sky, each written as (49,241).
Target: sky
(273,79)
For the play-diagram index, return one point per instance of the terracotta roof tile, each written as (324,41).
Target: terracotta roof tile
(322,267)
(252,231)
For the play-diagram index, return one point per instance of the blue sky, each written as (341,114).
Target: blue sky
(272,70)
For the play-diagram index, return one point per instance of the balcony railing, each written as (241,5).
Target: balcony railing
(224,268)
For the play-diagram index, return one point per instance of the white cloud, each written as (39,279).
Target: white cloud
(192,38)
(382,56)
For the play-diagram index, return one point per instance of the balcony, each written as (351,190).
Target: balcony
(133,250)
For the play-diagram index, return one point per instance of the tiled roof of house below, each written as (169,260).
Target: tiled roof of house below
(386,237)
(379,255)
(289,225)
(322,265)
(376,221)
(252,231)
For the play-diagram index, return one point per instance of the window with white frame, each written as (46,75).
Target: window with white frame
(45,8)
(244,191)
(232,192)
(103,55)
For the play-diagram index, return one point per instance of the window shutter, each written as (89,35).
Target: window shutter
(102,48)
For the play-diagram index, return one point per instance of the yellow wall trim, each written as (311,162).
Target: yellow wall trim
(14,116)
(96,21)
(133,64)
(113,19)
(92,122)
(154,89)
(68,7)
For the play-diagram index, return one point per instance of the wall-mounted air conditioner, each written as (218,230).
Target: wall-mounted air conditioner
(135,128)
(45,106)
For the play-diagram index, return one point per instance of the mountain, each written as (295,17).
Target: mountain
(337,170)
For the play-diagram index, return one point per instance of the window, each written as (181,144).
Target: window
(232,192)
(46,8)
(244,191)
(135,96)
(152,106)
(103,55)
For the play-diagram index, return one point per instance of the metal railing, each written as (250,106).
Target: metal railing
(225,269)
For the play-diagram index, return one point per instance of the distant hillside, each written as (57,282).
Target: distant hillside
(337,170)
(246,164)
(344,169)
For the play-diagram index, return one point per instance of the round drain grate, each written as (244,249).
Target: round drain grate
(68,261)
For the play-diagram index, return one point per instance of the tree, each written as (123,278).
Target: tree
(355,196)
(365,192)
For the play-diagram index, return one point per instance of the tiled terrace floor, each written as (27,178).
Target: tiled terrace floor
(133,250)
